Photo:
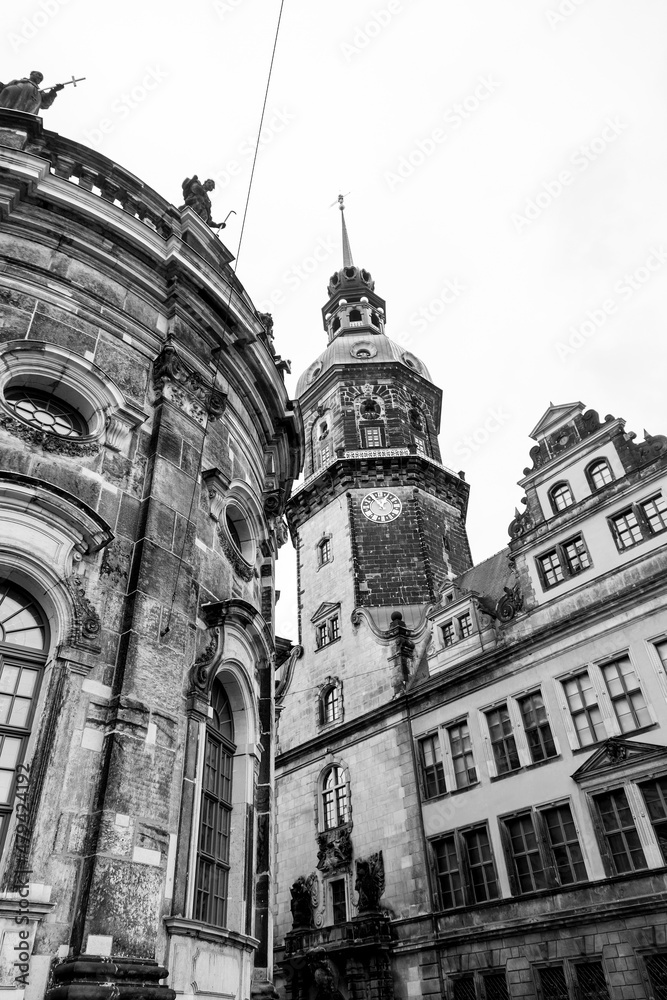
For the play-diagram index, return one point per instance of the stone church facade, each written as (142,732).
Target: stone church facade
(147,448)
(472,761)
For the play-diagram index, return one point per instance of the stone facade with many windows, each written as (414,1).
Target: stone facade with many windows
(147,447)
(488,817)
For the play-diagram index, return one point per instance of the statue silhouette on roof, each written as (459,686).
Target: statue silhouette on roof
(25,95)
(195,195)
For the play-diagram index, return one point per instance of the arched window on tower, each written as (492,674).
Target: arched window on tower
(24,640)
(211,891)
(331,702)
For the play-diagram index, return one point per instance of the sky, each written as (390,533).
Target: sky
(504,167)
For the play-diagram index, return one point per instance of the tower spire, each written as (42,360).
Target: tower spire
(347,251)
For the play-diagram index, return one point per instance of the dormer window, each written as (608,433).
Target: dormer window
(599,474)
(561,497)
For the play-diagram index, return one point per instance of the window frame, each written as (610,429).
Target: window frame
(470,782)
(521,699)
(324,551)
(343,816)
(589,473)
(562,561)
(439,771)
(327,631)
(371,429)
(545,849)
(642,521)
(606,850)
(561,485)
(332,686)
(468,888)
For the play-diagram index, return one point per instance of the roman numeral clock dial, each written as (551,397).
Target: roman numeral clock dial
(381,506)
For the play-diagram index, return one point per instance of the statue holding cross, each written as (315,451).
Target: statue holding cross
(25,95)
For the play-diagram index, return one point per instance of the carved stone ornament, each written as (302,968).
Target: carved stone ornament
(523,522)
(49,442)
(86,625)
(239,565)
(193,393)
(200,670)
(274,503)
(510,605)
(334,850)
(616,752)
(301,904)
(369,882)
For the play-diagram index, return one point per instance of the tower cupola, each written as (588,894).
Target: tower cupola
(353,305)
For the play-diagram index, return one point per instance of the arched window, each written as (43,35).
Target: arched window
(335,798)
(212,882)
(324,551)
(24,640)
(331,703)
(599,474)
(561,497)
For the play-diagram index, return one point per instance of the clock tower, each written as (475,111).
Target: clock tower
(379,527)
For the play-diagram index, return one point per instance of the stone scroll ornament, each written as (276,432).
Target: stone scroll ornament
(191,392)
(25,95)
(86,625)
(369,882)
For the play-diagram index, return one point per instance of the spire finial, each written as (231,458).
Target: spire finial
(347,252)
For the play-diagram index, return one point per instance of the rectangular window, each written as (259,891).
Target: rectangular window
(591,983)
(338,901)
(656,966)
(655,797)
(480,862)
(502,740)
(655,513)
(463,988)
(626,694)
(322,635)
(421,447)
(619,831)
(495,986)
(325,454)
(432,770)
(465,625)
(525,852)
(564,844)
(550,569)
(327,632)
(448,873)
(583,705)
(333,628)
(462,758)
(448,634)
(553,984)
(373,437)
(467,851)
(576,556)
(625,529)
(536,725)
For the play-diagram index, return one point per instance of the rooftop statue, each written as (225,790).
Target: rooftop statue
(25,95)
(195,195)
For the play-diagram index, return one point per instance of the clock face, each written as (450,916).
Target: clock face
(381,505)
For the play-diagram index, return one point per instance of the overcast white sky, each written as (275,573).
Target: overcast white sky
(443,119)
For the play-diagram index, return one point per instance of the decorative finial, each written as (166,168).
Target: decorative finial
(347,251)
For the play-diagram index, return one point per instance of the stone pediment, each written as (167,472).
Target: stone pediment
(555,416)
(618,754)
(325,609)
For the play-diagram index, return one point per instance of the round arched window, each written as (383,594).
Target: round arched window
(24,640)
(335,802)
(239,530)
(45,410)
